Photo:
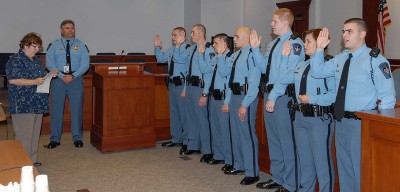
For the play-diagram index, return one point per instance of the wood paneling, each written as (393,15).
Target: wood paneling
(380,143)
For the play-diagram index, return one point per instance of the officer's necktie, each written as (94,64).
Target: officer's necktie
(341,94)
(191,59)
(269,60)
(171,67)
(233,69)
(303,82)
(68,56)
(213,77)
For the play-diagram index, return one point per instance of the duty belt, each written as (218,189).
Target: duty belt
(217,94)
(310,110)
(264,88)
(350,115)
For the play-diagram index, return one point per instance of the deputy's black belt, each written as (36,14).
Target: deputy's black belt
(313,110)
(350,115)
(268,88)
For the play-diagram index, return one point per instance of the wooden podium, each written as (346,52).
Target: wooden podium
(380,150)
(123,102)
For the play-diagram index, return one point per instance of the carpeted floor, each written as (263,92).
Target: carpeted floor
(153,169)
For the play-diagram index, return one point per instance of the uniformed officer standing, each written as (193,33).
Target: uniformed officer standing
(70,56)
(177,66)
(364,82)
(313,124)
(276,115)
(243,82)
(218,103)
(197,92)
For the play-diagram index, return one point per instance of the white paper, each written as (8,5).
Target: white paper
(45,87)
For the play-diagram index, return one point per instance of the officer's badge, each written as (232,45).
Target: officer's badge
(60,49)
(212,55)
(384,67)
(75,47)
(296,48)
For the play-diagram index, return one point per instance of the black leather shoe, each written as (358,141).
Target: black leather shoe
(226,167)
(215,162)
(53,144)
(282,189)
(78,143)
(37,164)
(270,184)
(191,152)
(171,144)
(206,158)
(249,180)
(233,171)
(183,150)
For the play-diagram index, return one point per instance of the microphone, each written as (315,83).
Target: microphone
(120,59)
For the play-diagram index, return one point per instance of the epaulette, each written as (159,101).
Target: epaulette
(187,46)
(374,52)
(328,57)
(208,44)
(294,36)
(48,47)
(87,49)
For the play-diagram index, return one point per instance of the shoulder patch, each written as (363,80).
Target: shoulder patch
(296,48)
(384,67)
(208,44)
(212,55)
(48,47)
(87,49)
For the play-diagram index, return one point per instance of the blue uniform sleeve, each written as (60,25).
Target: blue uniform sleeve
(326,98)
(280,87)
(84,62)
(296,56)
(320,68)
(260,60)
(180,55)
(224,65)
(384,83)
(51,59)
(254,81)
(228,95)
(205,61)
(162,57)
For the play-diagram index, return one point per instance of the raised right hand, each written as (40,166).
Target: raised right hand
(323,39)
(157,41)
(255,40)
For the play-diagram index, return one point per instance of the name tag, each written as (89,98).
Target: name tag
(66,69)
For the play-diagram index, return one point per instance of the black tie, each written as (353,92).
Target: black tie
(191,59)
(303,82)
(269,60)
(213,77)
(171,67)
(68,56)
(233,69)
(341,94)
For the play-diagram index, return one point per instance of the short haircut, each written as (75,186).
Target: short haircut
(68,21)
(201,28)
(286,15)
(223,36)
(362,25)
(29,39)
(180,29)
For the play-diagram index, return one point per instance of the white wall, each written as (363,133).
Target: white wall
(131,24)
(102,24)
(221,16)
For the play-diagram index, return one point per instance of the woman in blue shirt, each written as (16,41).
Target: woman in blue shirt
(25,72)
(313,126)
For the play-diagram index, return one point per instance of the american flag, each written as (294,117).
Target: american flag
(383,22)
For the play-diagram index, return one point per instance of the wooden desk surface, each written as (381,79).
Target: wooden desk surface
(389,115)
(12,154)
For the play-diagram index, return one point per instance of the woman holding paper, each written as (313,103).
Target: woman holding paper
(24,72)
